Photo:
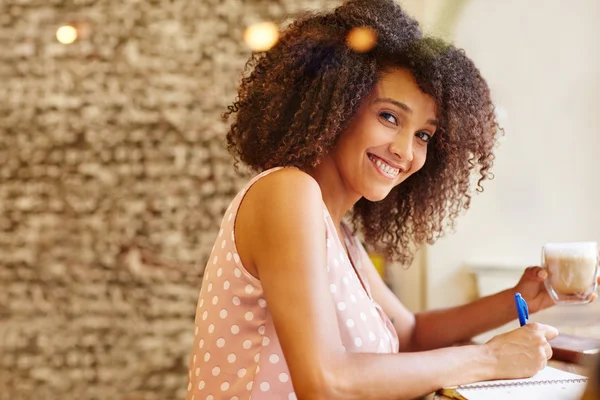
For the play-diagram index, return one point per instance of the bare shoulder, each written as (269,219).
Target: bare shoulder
(283,208)
(284,187)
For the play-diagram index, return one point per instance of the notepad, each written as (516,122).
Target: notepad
(549,383)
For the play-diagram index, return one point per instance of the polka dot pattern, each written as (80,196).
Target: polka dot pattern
(236,353)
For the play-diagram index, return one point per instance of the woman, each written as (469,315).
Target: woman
(291,306)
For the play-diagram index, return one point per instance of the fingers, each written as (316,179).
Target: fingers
(544,364)
(549,332)
(548,350)
(536,273)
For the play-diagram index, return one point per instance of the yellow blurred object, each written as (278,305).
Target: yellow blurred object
(379,261)
(361,39)
(66,34)
(261,36)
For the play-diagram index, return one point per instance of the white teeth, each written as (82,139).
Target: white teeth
(385,167)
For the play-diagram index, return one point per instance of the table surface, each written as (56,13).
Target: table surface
(581,320)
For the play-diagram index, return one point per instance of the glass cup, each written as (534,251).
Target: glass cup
(572,271)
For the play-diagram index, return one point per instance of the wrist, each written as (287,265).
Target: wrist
(508,303)
(490,357)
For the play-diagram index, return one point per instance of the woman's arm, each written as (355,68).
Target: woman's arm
(281,221)
(463,322)
(441,328)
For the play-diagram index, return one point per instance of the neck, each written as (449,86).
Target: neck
(337,195)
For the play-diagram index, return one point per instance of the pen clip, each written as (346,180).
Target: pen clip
(522,308)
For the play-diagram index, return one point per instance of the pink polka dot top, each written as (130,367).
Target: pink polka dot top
(236,354)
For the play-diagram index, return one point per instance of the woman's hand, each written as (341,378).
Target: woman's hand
(523,352)
(531,286)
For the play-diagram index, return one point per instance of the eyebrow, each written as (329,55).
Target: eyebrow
(404,107)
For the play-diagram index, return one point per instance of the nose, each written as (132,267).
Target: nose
(402,147)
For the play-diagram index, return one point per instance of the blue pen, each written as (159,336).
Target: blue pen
(522,309)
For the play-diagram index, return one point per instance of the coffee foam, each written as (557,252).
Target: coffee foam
(572,267)
(578,250)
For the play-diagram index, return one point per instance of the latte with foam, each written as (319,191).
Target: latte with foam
(572,270)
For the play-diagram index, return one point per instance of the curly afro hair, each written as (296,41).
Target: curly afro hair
(297,98)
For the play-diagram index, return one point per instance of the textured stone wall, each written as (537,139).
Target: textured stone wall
(113,179)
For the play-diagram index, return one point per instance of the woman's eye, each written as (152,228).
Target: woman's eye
(389,117)
(424,136)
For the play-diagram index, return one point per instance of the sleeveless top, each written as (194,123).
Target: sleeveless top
(236,354)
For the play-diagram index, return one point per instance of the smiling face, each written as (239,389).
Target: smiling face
(387,139)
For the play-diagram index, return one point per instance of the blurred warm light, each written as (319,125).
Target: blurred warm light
(66,34)
(361,39)
(261,36)
(379,262)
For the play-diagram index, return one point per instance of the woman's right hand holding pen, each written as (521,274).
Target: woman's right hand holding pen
(523,352)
